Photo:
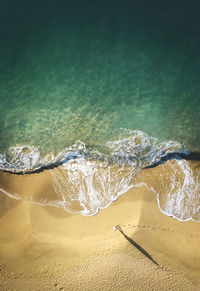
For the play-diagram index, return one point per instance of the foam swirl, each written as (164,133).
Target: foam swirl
(89,180)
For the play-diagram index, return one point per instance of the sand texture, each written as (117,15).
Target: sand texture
(46,248)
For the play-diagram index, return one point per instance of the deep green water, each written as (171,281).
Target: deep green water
(113,81)
(77,71)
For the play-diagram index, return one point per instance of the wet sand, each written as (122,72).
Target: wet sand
(45,248)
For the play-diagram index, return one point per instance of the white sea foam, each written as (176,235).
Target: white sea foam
(87,181)
(86,186)
(22,158)
(181,197)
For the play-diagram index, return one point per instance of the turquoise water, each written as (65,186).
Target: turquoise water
(100,79)
(82,71)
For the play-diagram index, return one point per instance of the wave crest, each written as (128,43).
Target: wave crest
(88,180)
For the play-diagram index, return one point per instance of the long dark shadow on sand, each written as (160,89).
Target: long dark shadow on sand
(147,255)
(189,156)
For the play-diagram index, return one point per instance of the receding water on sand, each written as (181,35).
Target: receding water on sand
(84,184)
(103,93)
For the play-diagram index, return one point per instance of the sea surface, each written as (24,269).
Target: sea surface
(105,89)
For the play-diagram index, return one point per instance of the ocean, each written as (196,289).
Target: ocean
(97,91)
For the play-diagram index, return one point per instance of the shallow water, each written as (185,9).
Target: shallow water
(111,81)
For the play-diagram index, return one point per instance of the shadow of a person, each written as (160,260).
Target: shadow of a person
(136,245)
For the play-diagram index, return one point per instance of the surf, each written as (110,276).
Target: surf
(85,181)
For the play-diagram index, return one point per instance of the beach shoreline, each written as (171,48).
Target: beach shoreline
(46,248)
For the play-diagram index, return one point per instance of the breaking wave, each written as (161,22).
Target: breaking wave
(133,148)
(88,180)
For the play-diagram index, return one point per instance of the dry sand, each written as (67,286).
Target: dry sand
(45,248)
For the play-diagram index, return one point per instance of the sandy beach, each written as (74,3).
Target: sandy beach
(99,145)
(46,248)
